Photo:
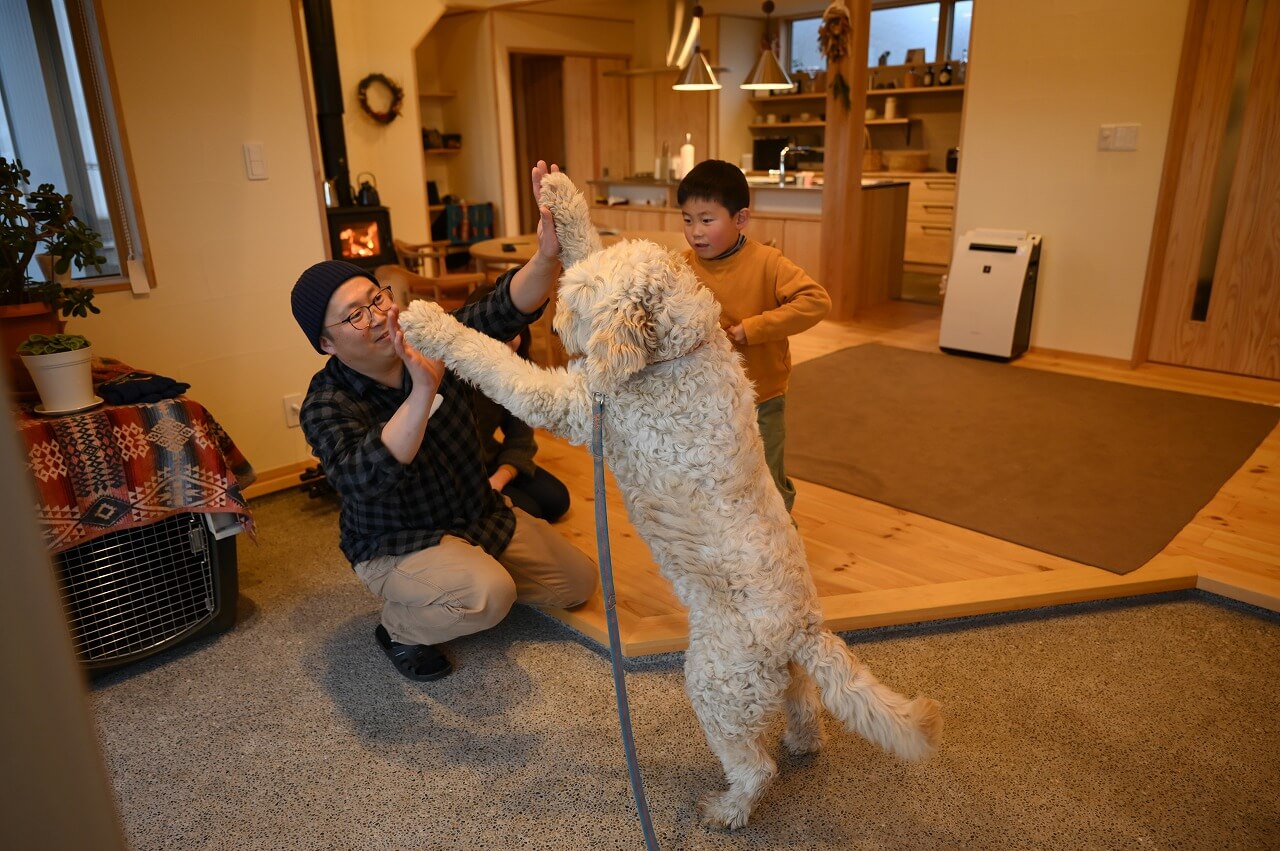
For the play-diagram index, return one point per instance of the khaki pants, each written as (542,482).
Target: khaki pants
(771,418)
(455,588)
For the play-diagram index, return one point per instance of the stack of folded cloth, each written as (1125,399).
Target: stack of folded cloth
(139,387)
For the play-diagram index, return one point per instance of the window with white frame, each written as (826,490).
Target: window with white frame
(57,117)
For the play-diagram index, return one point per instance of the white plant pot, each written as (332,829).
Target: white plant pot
(64,380)
(45,261)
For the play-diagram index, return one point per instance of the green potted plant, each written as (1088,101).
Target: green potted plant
(61,367)
(31,221)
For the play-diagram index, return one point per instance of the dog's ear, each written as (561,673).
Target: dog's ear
(619,344)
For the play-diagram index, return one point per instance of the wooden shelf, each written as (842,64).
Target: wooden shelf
(810,124)
(810,96)
(794,96)
(785,124)
(919,90)
(441,152)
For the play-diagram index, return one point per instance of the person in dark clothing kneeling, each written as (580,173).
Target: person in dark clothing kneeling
(509,460)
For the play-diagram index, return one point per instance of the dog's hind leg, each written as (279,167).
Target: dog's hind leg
(734,698)
(750,771)
(804,722)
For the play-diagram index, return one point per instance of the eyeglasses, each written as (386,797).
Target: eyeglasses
(362,317)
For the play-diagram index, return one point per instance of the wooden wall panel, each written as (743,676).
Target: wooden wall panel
(580,122)
(802,243)
(613,120)
(676,113)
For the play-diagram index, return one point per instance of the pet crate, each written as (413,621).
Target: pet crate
(134,593)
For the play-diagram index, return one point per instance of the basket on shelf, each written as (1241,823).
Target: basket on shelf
(872,160)
(907,160)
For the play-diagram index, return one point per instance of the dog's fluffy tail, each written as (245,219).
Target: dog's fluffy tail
(907,728)
(578,237)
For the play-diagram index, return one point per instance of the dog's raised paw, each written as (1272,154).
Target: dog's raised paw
(721,810)
(427,327)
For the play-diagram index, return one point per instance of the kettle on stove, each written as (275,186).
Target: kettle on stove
(367,194)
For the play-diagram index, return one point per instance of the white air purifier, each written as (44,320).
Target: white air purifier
(991,289)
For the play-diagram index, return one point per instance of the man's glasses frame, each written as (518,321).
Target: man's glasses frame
(362,317)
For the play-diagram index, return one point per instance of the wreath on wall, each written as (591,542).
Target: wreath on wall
(394,91)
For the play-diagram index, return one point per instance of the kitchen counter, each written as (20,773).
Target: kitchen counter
(789,217)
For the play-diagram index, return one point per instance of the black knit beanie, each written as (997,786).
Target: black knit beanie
(313,290)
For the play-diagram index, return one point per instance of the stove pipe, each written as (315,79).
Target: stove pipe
(323,47)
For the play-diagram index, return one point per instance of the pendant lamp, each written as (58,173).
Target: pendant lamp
(697,76)
(768,74)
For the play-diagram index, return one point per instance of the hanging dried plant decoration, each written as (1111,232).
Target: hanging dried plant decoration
(833,40)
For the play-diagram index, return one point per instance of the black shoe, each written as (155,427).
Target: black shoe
(421,662)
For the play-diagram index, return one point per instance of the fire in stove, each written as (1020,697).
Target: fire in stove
(361,235)
(360,240)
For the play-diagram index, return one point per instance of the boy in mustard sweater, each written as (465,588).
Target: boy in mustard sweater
(764,297)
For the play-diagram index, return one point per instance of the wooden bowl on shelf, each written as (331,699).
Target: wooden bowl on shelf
(872,160)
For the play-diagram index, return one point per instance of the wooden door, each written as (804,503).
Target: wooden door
(1213,295)
(537,89)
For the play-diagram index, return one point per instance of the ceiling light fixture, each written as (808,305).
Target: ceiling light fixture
(697,76)
(684,33)
(767,75)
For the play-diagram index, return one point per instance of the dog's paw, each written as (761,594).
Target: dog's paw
(557,191)
(427,327)
(722,810)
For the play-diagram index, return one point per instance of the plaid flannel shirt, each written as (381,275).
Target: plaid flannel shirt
(389,508)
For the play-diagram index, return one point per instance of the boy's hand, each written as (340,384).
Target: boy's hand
(737,334)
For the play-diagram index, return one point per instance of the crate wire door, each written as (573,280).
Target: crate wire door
(132,591)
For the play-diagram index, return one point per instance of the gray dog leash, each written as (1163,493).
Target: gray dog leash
(611,617)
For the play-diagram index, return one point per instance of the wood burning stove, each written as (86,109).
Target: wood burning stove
(361,235)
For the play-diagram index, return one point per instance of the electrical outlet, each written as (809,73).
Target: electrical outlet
(292,405)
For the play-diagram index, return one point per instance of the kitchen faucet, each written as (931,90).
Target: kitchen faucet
(782,159)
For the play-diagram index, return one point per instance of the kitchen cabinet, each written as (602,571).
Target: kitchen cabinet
(931,211)
(788,218)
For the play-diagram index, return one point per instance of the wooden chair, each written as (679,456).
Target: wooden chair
(429,278)
(406,286)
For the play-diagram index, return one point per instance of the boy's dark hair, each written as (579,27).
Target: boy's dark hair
(716,180)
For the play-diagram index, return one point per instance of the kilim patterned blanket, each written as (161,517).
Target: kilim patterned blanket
(117,467)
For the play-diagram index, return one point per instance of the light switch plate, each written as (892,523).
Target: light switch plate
(292,406)
(255,161)
(1118,137)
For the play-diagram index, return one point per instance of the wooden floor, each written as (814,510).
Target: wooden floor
(875,565)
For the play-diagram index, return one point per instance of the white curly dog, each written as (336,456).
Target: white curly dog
(680,436)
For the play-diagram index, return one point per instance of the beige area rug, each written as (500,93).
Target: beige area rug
(1100,473)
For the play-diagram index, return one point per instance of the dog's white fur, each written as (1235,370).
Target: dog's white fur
(680,435)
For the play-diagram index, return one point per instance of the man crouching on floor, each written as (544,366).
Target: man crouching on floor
(396,437)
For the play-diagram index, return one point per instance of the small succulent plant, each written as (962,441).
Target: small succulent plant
(48,344)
